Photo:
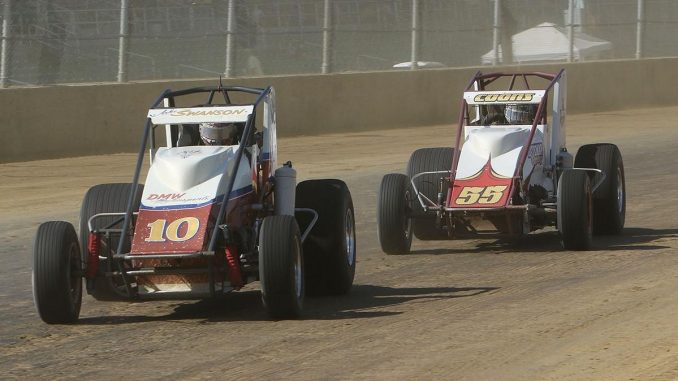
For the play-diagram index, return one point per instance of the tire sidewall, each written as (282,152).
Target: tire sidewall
(427,160)
(611,201)
(329,269)
(393,214)
(575,210)
(55,279)
(282,289)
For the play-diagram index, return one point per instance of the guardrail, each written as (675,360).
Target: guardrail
(61,121)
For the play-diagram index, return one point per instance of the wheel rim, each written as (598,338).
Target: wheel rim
(620,191)
(298,276)
(349,233)
(589,212)
(74,281)
(407,224)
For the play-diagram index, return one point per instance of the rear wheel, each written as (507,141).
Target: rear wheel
(330,247)
(57,283)
(281,267)
(105,198)
(609,199)
(393,220)
(575,212)
(428,160)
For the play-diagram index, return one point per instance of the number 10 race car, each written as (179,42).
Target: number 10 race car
(508,174)
(212,216)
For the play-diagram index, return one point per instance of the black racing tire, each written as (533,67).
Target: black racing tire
(330,247)
(575,210)
(428,160)
(57,276)
(609,199)
(393,221)
(105,198)
(281,267)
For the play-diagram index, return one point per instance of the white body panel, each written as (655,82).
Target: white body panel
(183,177)
(269,149)
(501,146)
(556,138)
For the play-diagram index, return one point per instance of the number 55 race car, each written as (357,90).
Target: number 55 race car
(216,212)
(508,174)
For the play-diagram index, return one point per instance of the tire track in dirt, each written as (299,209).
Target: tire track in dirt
(467,310)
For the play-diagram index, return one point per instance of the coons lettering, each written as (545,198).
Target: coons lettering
(507,97)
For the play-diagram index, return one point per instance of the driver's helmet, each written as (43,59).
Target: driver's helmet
(218,134)
(520,114)
(494,114)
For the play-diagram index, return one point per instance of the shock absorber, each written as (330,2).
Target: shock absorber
(234,273)
(93,245)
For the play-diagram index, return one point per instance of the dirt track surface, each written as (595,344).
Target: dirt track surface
(461,310)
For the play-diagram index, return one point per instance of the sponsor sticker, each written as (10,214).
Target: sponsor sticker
(504,97)
(201,114)
(185,154)
(536,153)
(174,197)
(493,98)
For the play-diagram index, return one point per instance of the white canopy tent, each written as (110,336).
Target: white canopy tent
(546,42)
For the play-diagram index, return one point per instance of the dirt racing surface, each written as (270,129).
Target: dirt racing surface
(456,310)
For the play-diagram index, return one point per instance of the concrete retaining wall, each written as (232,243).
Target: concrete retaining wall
(63,121)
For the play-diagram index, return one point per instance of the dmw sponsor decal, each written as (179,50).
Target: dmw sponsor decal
(165,196)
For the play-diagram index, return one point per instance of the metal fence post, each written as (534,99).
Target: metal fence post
(640,26)
(415,34)
(570,31)
(326,66)
(495,32)
(228,72)
(122,44)
(4,49)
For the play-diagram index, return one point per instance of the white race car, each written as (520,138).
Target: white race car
(209,219)
(509,173)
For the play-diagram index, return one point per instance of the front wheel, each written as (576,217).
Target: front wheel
(281,267)
(57,283)
(575,210)
(393,222)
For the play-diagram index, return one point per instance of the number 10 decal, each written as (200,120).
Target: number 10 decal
(480,195)
(161,232)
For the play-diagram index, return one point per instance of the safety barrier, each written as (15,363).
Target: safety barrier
(76,120)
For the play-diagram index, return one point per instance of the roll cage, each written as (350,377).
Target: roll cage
(168,99)
(480,82)
(553,94)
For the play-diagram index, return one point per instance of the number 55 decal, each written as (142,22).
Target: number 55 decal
(480,195)
(160,233)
